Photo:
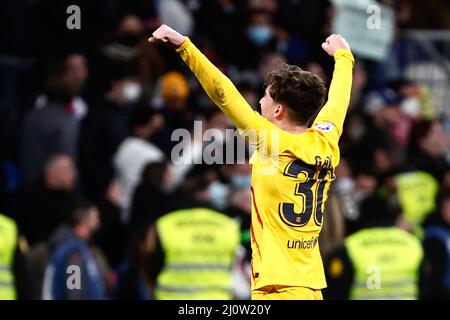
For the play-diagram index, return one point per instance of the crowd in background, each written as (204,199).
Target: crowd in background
(86,143)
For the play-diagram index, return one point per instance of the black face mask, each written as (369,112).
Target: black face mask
(130,39)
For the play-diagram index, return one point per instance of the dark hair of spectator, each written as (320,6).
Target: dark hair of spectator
(443,196)
(153,174)
(80,209)
(418,131)
(375,211)
(209,112)
(140,115)
(301,92)
(138,238)
(54,85)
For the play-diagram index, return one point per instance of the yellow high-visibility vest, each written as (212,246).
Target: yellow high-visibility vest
(386,263)
(8,242)
(199,247)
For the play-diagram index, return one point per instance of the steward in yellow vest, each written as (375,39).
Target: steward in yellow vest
(15,280)
(8,244)
(199,245)
(380,261)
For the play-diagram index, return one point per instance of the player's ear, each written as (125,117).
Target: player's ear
(279,110)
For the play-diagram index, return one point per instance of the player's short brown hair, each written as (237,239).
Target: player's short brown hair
(300,91)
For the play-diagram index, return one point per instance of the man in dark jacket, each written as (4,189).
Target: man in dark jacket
(47,203)
(105,127)
(53,127)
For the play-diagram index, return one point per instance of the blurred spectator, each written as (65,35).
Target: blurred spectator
(416,193)
(54,127)
(429,146)
(205,144)
(197,246)
(135,152)
(15,282)
(240,208)
(174,92)
(128,44)
(76,64)
(380,261)
(262,36)
(435,282)
(333,227)
(384,108)
(47,202)
(71,256)
(270,62)
(345,191)
(416,14)
(416,100)
(151,199)
(222,22)
(359,83)
(250,94)
(105,127)
(253,79)
(133,274)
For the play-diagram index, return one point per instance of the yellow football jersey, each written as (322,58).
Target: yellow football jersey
(291,174)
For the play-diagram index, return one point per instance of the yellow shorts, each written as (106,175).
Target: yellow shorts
(286,293)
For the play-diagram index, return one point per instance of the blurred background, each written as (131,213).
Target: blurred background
(88,107)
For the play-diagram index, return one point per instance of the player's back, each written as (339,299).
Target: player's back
(289,190)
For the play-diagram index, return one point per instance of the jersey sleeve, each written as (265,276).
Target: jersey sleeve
(331,117)
(224,94)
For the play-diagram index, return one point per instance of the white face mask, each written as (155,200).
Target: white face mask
(131,92)
(410,106)
(218,194)
(239,181)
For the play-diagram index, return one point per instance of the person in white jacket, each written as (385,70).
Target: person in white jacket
(134,153)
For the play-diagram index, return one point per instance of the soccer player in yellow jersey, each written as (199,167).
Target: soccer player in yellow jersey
(290,188)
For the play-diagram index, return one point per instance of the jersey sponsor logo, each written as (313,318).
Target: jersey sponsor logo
(303,244)
(324,126)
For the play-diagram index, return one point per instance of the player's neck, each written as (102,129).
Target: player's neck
(291,127)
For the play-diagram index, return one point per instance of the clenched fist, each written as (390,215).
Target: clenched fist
(165,34)
(333,43)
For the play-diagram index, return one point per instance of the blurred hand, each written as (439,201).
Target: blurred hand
(166,35)
(158,122)
(333,43)
(114,193)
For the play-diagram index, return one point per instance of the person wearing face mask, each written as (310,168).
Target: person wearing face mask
(262,36)
(106,126)
(125,45)
(218,195)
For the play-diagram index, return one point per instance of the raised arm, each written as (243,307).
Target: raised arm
(335,109)
(218,87)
